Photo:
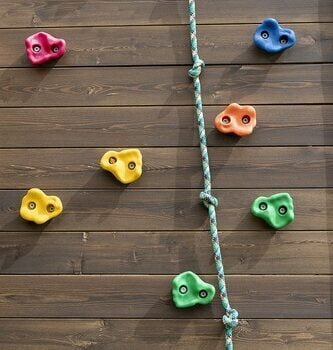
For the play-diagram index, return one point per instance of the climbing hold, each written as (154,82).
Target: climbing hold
(236,119)
(273,38)
(42,47)
(277,210)
(125,165)
(38,207)
(188,289)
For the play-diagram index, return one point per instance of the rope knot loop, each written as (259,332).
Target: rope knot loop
(208,199)
(196,69)
(230,319)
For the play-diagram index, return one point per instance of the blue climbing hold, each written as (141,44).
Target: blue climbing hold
(272,38)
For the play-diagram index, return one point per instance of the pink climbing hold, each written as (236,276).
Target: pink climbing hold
(42,47)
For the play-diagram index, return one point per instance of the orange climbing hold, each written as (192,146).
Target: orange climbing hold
(38,207)
(236,119)
(125,165)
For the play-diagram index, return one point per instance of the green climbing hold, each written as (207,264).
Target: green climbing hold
(188,289)
(277,210)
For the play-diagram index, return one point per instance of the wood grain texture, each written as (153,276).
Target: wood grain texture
(149,297)
(159,126)
(168,45)
(50,13)
(98,276)
(65,334)
(244,252)
(242,167)
(136,210)
(119,86)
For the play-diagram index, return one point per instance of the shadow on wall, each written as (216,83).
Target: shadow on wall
(25,242)
(141,329)
(12,91)
(180,208)
(180,337)
(109,206)
(53,9)
(251,78)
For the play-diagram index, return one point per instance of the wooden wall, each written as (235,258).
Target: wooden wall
(98,276)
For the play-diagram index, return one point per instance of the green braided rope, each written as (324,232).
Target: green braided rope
(230,319)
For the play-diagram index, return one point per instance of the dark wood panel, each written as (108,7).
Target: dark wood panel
(158,126)
(168,45)
(137,210)
(68,247)
(114,12)
(118,86)
(64,334)
(245,252)
(35,253)
(243,167)
(149,297)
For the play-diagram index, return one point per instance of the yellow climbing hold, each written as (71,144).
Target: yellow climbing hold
(125,165)
(38,207)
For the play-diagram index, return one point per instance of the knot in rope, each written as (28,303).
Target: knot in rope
(208,199)
(196,69)
(230,319)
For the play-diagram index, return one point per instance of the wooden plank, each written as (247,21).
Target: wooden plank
(168,45)
(119,86)
(244,252)
(158,126)
(66,334)
(261,167)
(19,13)
(36,253)
(149,297)
(136,210)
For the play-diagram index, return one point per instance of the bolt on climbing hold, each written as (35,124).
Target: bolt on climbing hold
(240,120)
(125,165)
(38,207)
(277,210)
(271,37)
(188,289)
(42,47)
